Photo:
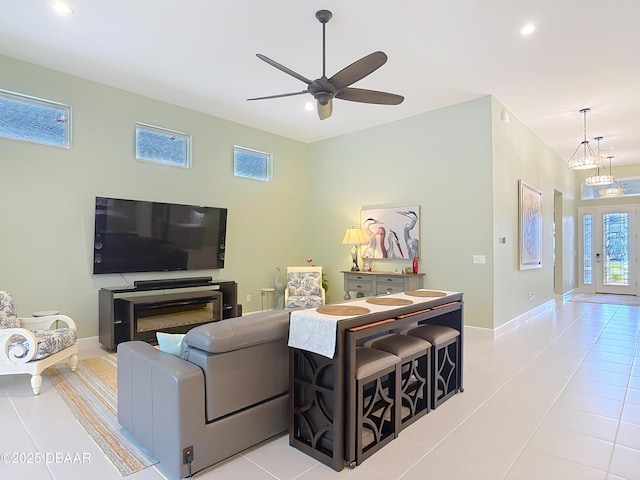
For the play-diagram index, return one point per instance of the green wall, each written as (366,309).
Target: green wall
(461,164)
(518,154)
(440,160)
(47,194)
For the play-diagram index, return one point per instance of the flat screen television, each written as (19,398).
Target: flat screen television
(141,236)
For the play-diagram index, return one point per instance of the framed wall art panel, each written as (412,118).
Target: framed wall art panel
(391,232)
(530,226)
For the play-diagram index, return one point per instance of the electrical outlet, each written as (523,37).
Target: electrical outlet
(248,298)
(187,455)
(531,296)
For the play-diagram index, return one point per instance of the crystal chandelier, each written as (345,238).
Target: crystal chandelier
(597,179)
(609,192)
(587,158)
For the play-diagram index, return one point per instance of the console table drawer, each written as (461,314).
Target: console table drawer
(386,288)
(357,277)
(360,286)
(379,283)
(390,281)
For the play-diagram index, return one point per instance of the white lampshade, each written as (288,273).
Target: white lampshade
(353,236)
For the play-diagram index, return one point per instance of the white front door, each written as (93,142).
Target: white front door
(610,249)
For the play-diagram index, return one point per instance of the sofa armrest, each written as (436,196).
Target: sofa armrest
(160,402)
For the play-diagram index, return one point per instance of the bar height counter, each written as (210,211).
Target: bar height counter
(322,363)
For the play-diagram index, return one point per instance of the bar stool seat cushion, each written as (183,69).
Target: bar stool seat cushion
(369,361)
(401,345)
(435,334)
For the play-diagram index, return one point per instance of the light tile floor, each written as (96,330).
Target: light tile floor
(555,396)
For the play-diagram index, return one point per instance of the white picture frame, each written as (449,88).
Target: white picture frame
(530,226)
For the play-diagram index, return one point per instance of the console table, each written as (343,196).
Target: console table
(322,421)
(380,283)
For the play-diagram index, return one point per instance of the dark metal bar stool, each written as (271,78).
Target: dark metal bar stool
(414,371)
(445,352)
(376,385)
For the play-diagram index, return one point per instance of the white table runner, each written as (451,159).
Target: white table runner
(316,332)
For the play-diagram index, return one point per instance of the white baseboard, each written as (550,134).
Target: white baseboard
(514,322)
(88,343)
(511,324)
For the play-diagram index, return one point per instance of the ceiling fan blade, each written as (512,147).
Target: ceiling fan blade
(358,70)
(280,95)
(324,111)
(369,96)
(284,69)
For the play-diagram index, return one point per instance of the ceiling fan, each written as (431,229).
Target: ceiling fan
(324,89)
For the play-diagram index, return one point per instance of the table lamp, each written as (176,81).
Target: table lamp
(354,237)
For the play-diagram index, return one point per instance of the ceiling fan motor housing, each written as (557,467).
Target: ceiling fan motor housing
(323,98)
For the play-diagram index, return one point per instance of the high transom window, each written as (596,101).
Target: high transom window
(34,120)
(252,164)
(161,145)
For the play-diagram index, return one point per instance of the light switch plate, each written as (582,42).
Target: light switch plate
(478,259)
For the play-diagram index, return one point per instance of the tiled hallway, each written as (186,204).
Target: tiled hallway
(555,396)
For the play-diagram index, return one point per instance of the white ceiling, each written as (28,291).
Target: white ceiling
(200,54)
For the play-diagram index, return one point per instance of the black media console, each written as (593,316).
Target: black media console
(172,305)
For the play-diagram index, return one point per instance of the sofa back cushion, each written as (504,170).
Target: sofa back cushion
(239,332)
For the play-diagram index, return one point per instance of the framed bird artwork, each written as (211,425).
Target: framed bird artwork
(391,232)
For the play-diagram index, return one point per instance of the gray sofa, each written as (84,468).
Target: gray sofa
(229,391)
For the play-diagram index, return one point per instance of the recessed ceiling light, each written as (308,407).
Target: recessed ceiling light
(62,9)
(528,29)
(308,106)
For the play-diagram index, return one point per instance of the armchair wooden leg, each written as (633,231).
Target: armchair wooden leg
(36,383)
(73,362)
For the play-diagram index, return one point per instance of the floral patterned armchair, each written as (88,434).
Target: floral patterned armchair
(304,287)
(30,345)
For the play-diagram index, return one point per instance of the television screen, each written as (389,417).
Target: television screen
(141,236)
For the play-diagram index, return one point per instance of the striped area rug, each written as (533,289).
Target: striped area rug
(91,394)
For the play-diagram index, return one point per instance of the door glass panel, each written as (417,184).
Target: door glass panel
(587,248)
(616,249)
